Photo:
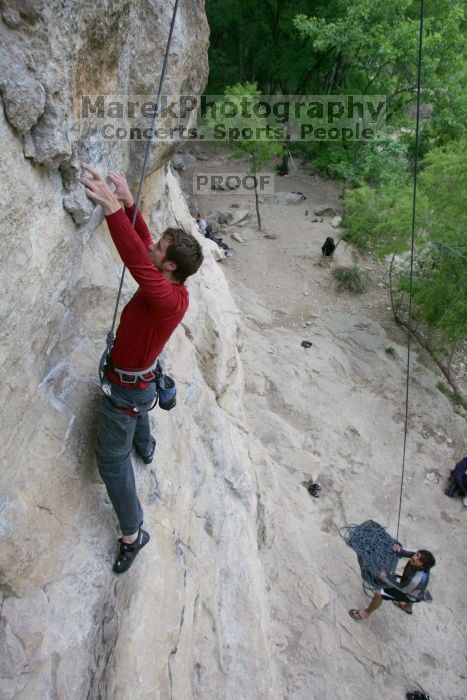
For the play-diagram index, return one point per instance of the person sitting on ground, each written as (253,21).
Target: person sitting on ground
(202,224)
(146,324)
(206,230)
(409,590)
(457,485)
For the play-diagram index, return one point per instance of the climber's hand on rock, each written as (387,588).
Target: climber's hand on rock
(122,191)
(95,173)
(99,191)
(396,548)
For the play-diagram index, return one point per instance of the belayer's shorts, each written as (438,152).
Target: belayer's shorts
(395,594)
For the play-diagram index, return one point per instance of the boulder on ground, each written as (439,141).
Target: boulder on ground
(237,237)
(326,210)
(198,153)
(212,221)
(181,161)
(336,221)
(228,187)
(177,162)
(238,216)
(222,217)
(282,198)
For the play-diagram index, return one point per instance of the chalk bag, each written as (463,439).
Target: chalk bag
(167,392)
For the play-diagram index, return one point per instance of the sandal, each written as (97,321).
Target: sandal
(127,552)
(399,605)
(355,615)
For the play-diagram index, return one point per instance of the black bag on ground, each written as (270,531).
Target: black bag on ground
(328,246)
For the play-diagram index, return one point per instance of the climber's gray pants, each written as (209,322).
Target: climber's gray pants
(117,432)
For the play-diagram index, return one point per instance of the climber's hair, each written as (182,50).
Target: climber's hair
(185,251)
(427,558)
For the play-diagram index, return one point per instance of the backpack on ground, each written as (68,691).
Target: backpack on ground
(328,247)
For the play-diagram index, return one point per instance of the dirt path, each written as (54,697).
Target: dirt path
(334,413)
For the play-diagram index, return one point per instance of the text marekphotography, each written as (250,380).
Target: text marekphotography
(233,118)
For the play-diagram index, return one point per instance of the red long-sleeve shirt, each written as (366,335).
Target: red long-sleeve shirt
(158,306)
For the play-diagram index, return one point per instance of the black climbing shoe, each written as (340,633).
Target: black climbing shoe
(417,696)
(314,490)
(128,552)
(147,459)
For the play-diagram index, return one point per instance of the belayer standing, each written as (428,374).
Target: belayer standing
(146,324)
(411,587)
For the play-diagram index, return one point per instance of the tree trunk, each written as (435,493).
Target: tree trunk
(426,345)
(391,292)
(257,203)
(445,369)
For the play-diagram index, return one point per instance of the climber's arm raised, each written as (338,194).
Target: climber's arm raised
(123,193)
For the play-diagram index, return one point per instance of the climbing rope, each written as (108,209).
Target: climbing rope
(369,540)
(110,335)
(373,546)
(412,249)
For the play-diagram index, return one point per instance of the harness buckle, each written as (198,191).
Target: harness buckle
(126,378)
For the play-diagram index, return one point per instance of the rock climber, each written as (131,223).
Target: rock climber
(146,324)
(411,587)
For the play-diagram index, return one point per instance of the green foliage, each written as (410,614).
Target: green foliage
(377,47)
(351,47)
(259,147)
(379,220)
(350,279)
(257,42)
(357,163)
(357,47)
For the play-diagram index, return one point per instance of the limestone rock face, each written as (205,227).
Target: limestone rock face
(54,54)
(60,601)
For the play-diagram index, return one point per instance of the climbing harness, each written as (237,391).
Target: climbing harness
(370,541)
(104,361)
(127,377)
(166,394)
